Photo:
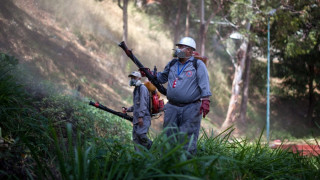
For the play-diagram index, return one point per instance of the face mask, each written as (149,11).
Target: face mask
(138,83)
(179,53)
(134,82)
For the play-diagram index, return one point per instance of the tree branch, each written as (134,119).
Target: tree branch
(119,4)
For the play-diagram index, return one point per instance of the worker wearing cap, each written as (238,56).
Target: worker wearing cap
(188,93)
(141,114)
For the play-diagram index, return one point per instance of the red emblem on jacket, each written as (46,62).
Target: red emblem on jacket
(174,83)
(189,73)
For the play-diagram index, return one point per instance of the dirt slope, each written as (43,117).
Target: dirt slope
(83,62)
(55,53)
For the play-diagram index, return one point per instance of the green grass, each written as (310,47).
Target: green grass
(48,135)
(219,157)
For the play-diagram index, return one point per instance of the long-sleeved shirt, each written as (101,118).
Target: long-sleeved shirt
(141,103)
(185,83)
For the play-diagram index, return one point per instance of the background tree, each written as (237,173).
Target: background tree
(171,17)
(188,18)
(124,7)
(296,37)
(182,18)
(177,23)
(241,13)
(215,6)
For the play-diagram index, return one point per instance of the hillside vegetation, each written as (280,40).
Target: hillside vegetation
(76,48)
(46,135)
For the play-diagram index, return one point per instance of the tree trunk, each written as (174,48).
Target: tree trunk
(124,8)
(125,20)
(236,89)
(187,18)
(204,25)
(311,93)
(177,25)
(231,117)
(245,89)
(246,82)
(202,40)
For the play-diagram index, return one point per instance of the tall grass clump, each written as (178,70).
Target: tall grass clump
(119,161)
(255,160)
(28,111)
(20,126)
(219,157)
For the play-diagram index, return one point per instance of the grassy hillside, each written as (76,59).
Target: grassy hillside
(74,44)
(77,47)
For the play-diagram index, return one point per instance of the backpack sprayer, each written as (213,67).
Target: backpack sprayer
(156,105)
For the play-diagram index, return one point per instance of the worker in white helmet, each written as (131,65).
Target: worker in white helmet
(188,93)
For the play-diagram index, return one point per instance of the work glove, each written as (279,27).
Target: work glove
(205,107)
(124,110)
(144,74)
(140,121)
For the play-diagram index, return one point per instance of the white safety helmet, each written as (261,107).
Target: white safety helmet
(135,74)
(188,41)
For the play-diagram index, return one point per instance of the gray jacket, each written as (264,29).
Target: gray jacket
(190,84)
(141,103)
